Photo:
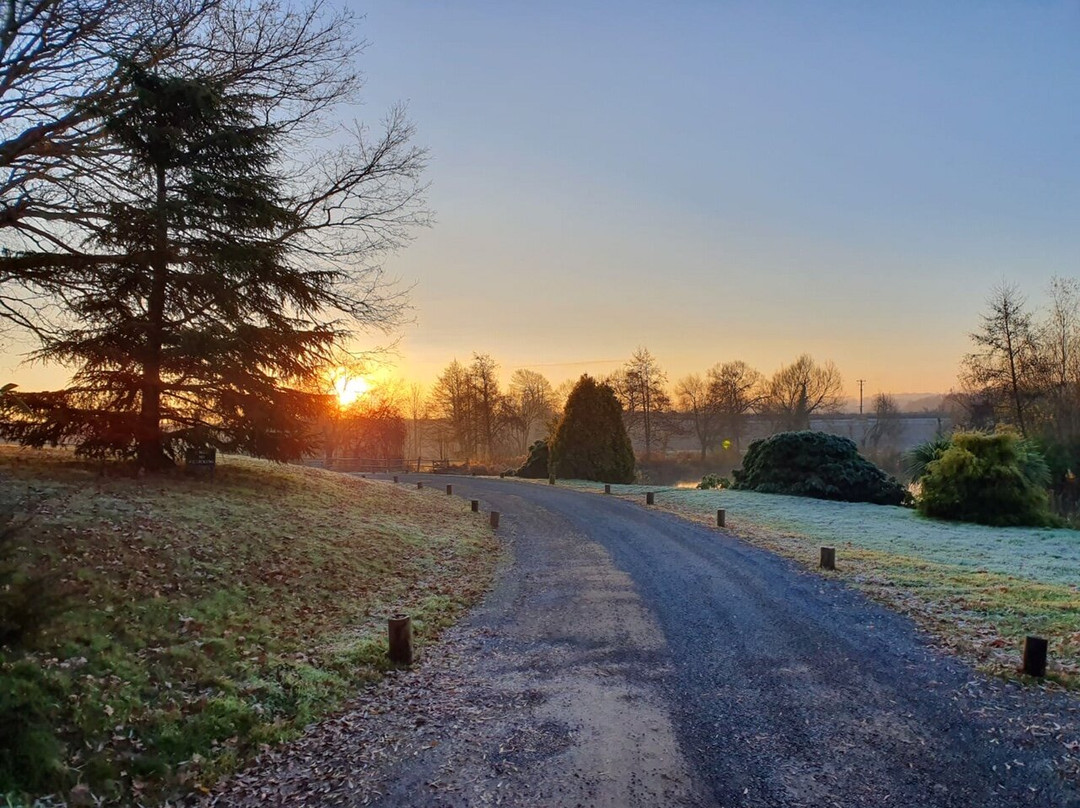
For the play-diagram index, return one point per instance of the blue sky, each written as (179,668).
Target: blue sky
(730,180)
(722,181)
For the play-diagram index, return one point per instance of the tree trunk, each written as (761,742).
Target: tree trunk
(150,451)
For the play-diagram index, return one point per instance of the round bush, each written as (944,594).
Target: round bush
(996,479)
(814,464)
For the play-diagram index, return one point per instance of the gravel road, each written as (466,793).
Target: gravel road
(628,658)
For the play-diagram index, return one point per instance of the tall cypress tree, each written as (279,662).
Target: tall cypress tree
(590,442)
(201,329)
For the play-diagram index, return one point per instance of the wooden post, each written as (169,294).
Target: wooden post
(551,479)
(828,558)
(449,490)
(1034,656)
(419,486)
(475,506)
(607,489)
(502,474)
(395,478)
(721,515)
(495,519)
(399,631)
(650,498)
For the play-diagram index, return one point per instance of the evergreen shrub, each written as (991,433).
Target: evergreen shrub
(815,464)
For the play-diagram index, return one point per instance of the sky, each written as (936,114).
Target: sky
(723,181)
(720,181)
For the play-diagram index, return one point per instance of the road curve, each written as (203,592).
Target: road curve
(787,688)
(630,658)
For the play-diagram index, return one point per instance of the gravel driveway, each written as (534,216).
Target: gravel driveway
(628,658)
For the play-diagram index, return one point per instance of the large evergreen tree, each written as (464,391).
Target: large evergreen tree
(591,442)
(201,327)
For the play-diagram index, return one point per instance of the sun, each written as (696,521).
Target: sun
(349,388)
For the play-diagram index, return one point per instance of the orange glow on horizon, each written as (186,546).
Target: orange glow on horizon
(348,388)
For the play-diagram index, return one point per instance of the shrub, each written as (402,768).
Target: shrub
(713,481)
(992,479)
(916,460)
(536,466)
(815,464)
(590,442)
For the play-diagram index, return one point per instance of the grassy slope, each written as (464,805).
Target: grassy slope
(978,589)
(207,618)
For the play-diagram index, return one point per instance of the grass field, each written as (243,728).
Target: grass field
(206,618)
(980,590)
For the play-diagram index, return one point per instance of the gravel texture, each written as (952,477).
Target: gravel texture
(629,658)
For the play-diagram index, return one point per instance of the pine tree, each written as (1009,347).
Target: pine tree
(591,442)
(201,329)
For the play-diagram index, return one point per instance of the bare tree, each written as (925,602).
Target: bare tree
(887,427)
(693,395)
(1059,348)
(487,402)
(639,385)
(797,391)
(416,410)
(1006,362)
(736,388)
(531,405)
(453,402)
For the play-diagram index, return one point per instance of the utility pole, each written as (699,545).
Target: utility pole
(861,383)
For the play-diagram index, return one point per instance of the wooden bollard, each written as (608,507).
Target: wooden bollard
(449,490)
(399,631)
(828,558)
(495,519)
(721,515)
(650,498)
(419,486)
(475,506)
(607,489)
(395,478)
(551,479)
(1034,656)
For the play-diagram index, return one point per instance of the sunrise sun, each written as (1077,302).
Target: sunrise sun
(349,388)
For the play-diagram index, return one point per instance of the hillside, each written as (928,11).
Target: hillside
(204,618)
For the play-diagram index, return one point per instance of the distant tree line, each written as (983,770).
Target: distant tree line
(468,414)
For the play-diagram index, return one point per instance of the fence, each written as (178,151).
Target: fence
(374,465)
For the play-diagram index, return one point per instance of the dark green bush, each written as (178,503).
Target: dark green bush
(814,464)
(713,481)
(992,479)
(31,756)
(536,466)
(590,442)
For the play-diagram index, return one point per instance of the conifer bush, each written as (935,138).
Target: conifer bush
(992,479)
(815,464)
(535,466)
(590,442)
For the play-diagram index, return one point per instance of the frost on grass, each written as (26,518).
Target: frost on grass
(1039,554)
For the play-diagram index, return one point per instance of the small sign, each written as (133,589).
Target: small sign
(201,459)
